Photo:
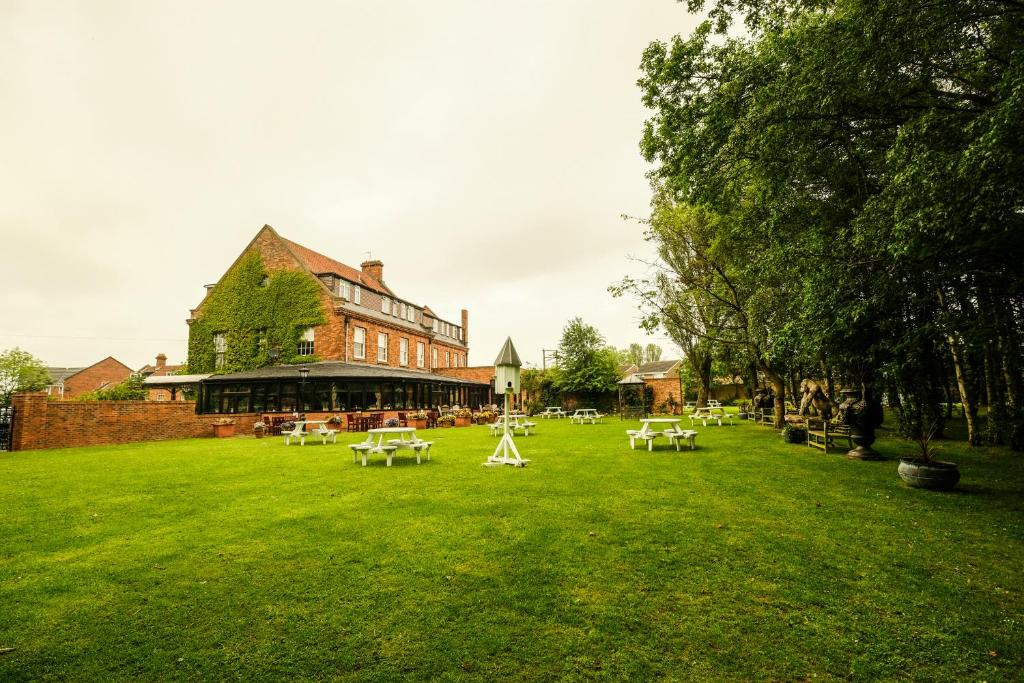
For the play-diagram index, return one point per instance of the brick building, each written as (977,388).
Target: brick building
(161,369)
(67,383)
(375,349)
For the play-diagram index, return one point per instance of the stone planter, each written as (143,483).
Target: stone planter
(862,440)
(417,423)
(224,431)
(463,421)
(935,474)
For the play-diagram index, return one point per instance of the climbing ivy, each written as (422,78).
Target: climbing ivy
(247,303)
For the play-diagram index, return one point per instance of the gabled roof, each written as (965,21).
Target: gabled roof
(318,263)
(657,366)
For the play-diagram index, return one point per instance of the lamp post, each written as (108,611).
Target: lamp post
(303,374)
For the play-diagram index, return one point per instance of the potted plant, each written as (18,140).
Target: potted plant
(334,421)
(926,472)
(486,417)
(259,429)
(463,417)
(794,434)
(446,420)
(418,420)
(223,427)
(391,422)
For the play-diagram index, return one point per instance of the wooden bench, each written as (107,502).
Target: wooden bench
(822,434)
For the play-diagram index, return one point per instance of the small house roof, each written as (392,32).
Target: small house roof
(657,366)
(508,355)
(58,375)
(631,379)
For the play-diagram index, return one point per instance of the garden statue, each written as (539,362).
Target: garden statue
(863,416)
(814,395)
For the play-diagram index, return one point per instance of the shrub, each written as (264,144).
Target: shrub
(791,434)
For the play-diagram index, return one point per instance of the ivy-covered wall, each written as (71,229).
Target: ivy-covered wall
(246,302)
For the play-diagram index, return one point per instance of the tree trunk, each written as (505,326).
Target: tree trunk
(970,410)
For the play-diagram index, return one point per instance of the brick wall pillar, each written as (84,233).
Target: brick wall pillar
(29,409)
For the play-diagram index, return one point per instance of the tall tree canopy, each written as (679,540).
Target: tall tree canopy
(585,365)
(854,166)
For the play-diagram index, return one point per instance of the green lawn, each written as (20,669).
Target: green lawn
(745,559)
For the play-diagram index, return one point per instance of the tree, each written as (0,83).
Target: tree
(636,354)
(586,365)
(652,353)
(858,164)
(20,371)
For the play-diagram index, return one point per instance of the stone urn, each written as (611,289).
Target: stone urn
(929,474)
(863,415)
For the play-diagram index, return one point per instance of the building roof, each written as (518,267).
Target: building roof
(631,379)
(333,370)
(657,366)
(148,370)
(508,355)
(173,380)
(58,375)
(318,263)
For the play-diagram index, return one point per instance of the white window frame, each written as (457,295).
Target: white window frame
(343,290)
(308,336)
(385,305)
(433,357)
(382,347)
(357,294)
(403,351)
(220,348)
(447,359)
(359,343)
(421,354)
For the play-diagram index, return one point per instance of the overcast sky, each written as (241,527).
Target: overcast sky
(484,151)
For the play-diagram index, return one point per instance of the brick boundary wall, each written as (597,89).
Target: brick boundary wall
(40,423)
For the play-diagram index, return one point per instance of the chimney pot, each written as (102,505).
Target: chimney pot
(161,360)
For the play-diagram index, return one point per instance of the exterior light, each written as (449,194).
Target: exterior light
(303,373)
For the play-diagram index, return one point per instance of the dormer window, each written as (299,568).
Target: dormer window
(343,289)
(357,294)
(385,305)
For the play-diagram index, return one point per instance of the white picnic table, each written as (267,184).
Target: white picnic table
(674,435)
(584,415)
(515,421)
(375,443)
(712,414)
(552,411)
(300,432)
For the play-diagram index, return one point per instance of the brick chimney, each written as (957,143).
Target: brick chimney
(374,269)
(161,361)
(465,327)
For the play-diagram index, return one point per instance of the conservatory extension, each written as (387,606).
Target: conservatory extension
(335,387)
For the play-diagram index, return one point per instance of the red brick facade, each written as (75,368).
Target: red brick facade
(663,388)
(64,424)
(107,373)
(335,340)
